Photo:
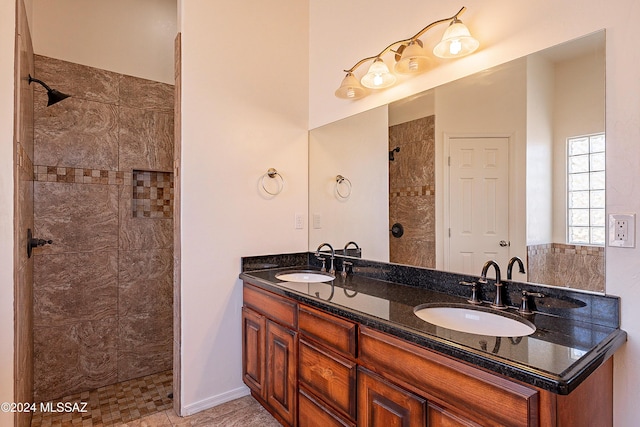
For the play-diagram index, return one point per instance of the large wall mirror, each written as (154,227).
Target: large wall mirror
(506,162)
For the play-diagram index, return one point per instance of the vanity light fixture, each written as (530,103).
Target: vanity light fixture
(410,57)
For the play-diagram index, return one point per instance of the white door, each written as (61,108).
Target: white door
(478,203)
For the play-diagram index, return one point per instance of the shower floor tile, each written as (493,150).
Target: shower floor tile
(143,402)
(110,405)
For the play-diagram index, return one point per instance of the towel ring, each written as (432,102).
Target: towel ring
(344,182)
(272,173)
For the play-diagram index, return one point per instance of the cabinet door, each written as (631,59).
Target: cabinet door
(439,417)
(253,348)
(281,378)
(382,404)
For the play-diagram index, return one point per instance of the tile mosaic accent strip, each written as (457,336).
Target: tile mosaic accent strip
(424,190)
(80,175)
(152,194)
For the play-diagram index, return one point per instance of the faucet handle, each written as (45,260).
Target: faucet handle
(324,263)
(524,303)
(345,264)
(474,292)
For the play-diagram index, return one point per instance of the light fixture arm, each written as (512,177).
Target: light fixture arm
(406,41)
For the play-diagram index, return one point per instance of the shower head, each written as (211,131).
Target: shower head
(54,95)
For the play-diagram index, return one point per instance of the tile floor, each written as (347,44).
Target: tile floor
(143,402)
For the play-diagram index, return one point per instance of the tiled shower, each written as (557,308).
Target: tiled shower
(412,192)
(103,193)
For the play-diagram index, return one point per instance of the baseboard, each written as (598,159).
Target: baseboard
(214,401)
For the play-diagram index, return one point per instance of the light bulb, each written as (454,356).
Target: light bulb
(455,47)
(378,76)
(351,93)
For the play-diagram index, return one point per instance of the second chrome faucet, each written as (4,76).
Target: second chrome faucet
(497,302)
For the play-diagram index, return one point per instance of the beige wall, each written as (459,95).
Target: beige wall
(241,115)
(7,45)
(128,37)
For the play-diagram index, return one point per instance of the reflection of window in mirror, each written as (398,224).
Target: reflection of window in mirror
(586,186)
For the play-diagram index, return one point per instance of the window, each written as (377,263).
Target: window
(585,177)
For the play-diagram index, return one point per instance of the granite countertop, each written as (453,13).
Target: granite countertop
(557,357)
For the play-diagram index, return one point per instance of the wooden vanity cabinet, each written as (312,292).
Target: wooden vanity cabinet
(313,369)
(269,351)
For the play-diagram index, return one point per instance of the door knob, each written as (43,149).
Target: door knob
(504,243)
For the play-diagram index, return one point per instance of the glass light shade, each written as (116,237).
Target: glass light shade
(350,88)
(378,76)
(456,41)
(414,59)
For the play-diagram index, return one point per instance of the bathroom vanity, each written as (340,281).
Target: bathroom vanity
(351,351)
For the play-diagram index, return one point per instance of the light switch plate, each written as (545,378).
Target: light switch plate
(317,221)
(622,230)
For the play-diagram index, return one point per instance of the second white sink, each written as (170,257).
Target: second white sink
(305,276)
(474,320)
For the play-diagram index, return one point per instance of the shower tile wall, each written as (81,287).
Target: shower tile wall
(571,266)
(23,194)
(103,304)
(412,192)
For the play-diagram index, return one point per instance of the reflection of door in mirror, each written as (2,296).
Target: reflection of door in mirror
(478,203)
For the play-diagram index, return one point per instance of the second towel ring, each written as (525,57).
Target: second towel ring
(341,181)
(272,173)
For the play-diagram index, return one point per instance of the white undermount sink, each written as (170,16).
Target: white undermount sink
(305,276)
(474,320)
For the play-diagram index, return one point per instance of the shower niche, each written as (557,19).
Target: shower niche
(152,194)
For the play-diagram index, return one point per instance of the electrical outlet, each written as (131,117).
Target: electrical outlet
(622,230)
(622,227)
(299,225)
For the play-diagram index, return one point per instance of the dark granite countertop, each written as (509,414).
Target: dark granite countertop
(557,357)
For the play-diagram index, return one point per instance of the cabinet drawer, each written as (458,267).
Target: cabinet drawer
(282,310)
(329,376)
(312,413)
(339,334)
(468,390)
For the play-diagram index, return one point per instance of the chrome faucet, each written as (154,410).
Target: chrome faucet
(344,251)
(497,302)
(510,266)
(332,270)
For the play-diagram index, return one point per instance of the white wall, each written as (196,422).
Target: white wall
(579,86)
(244,110)
(539,140)
(363,217)
(7,47)
(129,37)
(508,30)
